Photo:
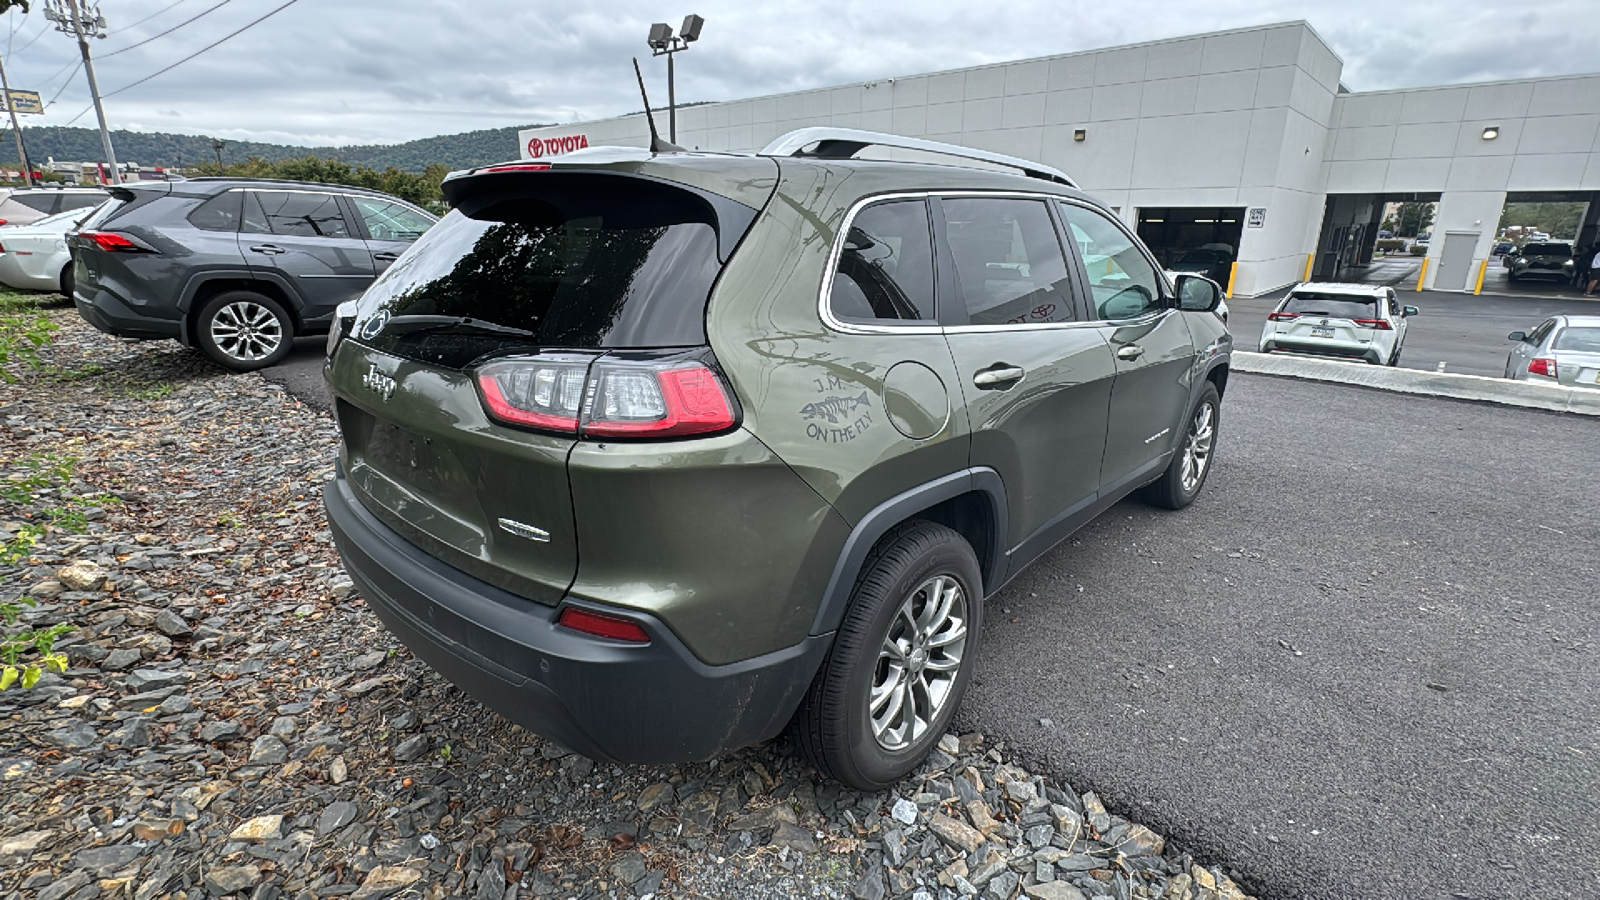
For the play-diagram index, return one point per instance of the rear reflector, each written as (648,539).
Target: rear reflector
(1282,316)
(110,240)
(601,625)
(1542,366)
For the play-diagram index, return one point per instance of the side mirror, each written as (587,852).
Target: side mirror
(1408,311)
(1516,336)
(1196,293)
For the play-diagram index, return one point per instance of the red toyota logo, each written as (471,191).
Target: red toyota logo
(535,148)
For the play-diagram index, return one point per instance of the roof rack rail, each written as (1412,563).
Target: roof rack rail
(844,143)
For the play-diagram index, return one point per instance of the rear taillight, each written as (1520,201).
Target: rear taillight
(1282,316)
(1542,366)
(1379,324)
(607,398)
(601,625)
(111,241)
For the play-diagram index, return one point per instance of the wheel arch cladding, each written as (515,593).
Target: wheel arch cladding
(970,502)
(209,288)
(1219,377)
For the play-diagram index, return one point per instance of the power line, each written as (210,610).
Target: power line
(149,17)
(64,85)
(198,52)
(35,38)
(168,31)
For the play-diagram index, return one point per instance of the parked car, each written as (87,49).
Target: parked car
(1385,234)
(1357,321)
(1551,261)
(35,257)
(1561,350)
(235,267)
(1501,248)
(1213,264)
(24,206)
(658,454)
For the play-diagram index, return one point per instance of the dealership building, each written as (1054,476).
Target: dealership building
(1244,140)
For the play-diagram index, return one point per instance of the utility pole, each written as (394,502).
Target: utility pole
(16,127)
(78,18)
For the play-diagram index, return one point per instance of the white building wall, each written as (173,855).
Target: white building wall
(1244,118)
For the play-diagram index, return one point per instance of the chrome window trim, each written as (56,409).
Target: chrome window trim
(832,322)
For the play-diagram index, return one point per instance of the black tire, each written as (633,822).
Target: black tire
(1169,491)
(244,330)
(833,726)
(66,281)
(1394,358)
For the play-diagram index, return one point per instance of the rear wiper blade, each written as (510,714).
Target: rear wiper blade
(416,324)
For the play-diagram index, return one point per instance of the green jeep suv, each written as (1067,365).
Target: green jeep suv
(658,454)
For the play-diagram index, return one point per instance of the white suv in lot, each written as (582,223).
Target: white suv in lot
(1357,321)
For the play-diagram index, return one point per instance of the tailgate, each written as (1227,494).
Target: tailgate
(422,456)
(1327,328)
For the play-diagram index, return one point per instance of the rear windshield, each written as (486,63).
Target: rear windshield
(1342,306)
(1583,339)
(1547,250)
(576,267)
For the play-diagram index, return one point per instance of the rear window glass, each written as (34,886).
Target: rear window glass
(1341,306)
(1547,250)
(1582,339)
(576,267)
(220,213)
(886,266)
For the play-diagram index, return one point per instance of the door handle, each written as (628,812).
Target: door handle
(1130,352)
(386,256)
(998,377)
(268,249)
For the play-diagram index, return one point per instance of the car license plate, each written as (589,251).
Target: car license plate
(1321,331)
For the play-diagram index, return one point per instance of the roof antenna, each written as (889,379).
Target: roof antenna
(657,145)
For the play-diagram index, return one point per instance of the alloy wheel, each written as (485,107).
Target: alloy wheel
(918,662)
(1197,449)
(246,331)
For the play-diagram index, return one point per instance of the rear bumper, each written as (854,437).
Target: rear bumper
(608,700)
(1368,352)
(109,314)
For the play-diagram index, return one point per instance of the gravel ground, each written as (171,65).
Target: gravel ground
(234,721)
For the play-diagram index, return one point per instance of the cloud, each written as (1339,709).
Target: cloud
(372,71)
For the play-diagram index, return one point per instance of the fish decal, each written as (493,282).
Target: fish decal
(836,409)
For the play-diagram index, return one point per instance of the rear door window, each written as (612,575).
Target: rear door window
(299,214)
(885,269)
(574,266)
(81,201)
(1334,306)
(1008,261)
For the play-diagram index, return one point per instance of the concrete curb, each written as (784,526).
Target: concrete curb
(1580,401)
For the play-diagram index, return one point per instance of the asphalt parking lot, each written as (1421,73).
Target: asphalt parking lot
(1363,664)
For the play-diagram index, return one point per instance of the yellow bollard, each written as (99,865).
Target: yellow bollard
(1233,272)
(1482,268)
(1310,258)
(1422,273)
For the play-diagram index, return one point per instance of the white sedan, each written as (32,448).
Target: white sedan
(34,257)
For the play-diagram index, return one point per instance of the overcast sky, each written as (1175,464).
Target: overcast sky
(382,71)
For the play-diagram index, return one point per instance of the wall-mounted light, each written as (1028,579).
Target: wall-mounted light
(1492,132)
(1080,135)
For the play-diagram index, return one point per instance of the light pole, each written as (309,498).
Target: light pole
(663,43)
(82,20)
(217,144)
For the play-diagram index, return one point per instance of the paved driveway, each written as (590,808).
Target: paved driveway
(1364,664)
